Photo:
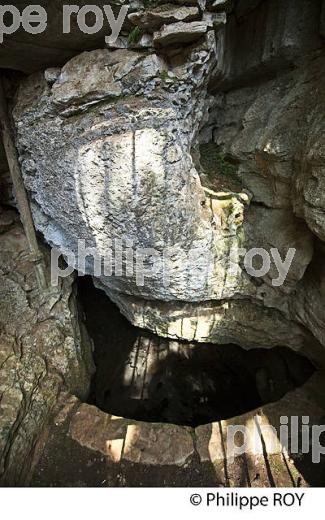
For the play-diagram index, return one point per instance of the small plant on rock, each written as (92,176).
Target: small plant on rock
(135,35)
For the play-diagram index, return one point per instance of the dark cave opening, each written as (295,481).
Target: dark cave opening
(143,377)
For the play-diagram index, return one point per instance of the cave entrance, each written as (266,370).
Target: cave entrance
(143,377)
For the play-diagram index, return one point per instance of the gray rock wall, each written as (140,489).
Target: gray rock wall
(113,139)
(43,350)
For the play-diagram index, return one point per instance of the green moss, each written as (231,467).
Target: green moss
(135,35)
(214,162)
(217,167)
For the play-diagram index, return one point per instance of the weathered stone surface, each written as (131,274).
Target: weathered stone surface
(98,431)
(262,227)
(258,126)
(142,443)
(270,37)
(307,304)
(42,350)
(145,41)
(179,33)
(131,168)
(34,52)
(76,453)
(128,168)
(275,132)
(108,76)
(113,140)
(259,432)
(221,5)
(51,75)
(152,19)
(130,136)
(158,444)
(3,161)
(235,321)
(215,20)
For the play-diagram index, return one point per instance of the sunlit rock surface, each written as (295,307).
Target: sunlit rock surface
(127,172)
(116,143)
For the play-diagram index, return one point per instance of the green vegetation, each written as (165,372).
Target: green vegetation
(135,35)
(164,76)
(218,169)
(214,162)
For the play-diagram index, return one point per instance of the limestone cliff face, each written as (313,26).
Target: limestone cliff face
(200,131)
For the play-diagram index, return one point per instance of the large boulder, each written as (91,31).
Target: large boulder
(114,139)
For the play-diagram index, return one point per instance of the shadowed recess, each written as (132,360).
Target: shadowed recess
(143,377)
